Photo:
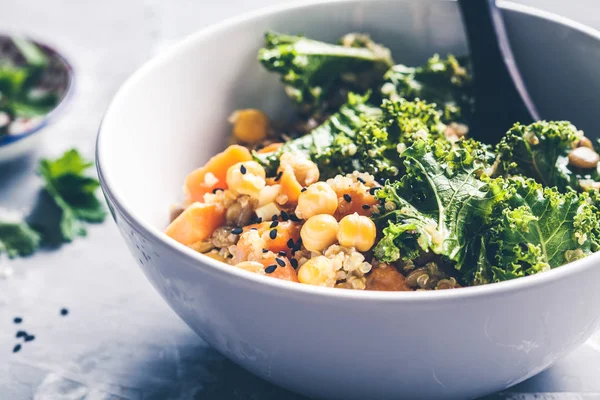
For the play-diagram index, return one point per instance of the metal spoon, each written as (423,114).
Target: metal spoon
(501,97)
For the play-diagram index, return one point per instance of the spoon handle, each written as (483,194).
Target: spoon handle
(501,97)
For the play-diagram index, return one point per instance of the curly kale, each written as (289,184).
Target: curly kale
(447,82)
(350,117)
(540,151)
(531,229)
(436,205)
(312,70)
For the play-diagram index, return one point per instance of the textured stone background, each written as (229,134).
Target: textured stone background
(120,340)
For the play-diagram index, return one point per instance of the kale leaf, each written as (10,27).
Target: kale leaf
(72,192)
(532,229)
(437,203)
(312,70)
(447,82)
(540,151)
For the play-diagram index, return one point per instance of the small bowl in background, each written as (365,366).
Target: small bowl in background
(18,132)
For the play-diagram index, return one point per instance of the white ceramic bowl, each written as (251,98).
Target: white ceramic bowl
(333,343)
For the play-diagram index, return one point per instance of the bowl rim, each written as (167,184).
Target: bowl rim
(267,283)
(7,140)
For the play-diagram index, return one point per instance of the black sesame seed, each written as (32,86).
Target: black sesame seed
(274,218)
(29,338)
(243,169)
(290,243)
(347,197)
(297,246)
(64,311)
(270,269)
(373,190)
(273,234)
(265,250)
(274,224)
(303,190)
(282,253)
(361,180)
(258,220)
(366,206)
(278,176)
(294,218)
(17,348)
(237,231)
(18,320)
(294,263)
(20,334)
(285,216)
(280,262)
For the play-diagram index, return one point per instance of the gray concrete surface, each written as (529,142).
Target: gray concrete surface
(120,340)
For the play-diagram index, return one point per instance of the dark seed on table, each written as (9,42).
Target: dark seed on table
(290,243)
(20,334)
(29,338)
(294,263)
(274,224)
(366,206)
(347,197)
(64,311)
(278,176)
(361,180)
(243,169)
(18,320)
(237,231)
(273,234)
(282,253)
(303,190)
(270,269)
(285,216)
(17,348)
(280,262)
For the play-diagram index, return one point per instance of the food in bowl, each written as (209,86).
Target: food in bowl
(33,81)
(378,184)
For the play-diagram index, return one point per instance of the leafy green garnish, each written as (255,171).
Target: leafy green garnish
(347,120)
(311,69)
(540,151)
(435,204)
(17,238)
(73,192)
(532,229)
(446,82)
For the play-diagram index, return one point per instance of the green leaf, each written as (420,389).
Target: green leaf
(437,204)
(73,193)
(311,69)
(540,151)
(17,238)
(532,229)
(445,82)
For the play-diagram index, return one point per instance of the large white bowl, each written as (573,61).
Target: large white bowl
(333,343)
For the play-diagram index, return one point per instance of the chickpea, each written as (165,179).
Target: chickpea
(246,178)
(357,231)
(249,125)
(319,232)
(583,157)
(318,198)
(317,271)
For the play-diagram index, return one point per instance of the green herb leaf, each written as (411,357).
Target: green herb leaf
(17,238)
(72,192)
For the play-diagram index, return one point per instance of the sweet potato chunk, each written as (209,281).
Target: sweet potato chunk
(214,173)
(196,223)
